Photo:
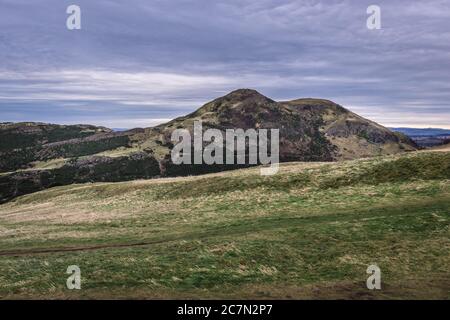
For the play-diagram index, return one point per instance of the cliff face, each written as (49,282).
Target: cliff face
(35,156)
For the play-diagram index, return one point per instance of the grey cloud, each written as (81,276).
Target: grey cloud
(160,59)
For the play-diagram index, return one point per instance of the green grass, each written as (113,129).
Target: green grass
(310,231)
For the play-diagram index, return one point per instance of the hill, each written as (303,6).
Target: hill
(422,132)
(426,138)
(26,145)
(310,130)
(442,148)
(309,231)
(29,134)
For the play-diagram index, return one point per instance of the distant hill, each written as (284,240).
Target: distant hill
(428,137)
(310,129)
(37,156)
(24,145)
(30,134)
(416,132)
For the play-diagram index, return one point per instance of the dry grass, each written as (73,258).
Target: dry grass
(308,232)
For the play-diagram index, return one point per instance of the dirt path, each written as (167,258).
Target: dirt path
(21,252)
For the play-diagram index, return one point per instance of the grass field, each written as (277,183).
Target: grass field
(310,231)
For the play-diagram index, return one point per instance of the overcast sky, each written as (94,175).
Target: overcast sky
(141,62)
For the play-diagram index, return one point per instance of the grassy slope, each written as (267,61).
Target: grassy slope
(308,232)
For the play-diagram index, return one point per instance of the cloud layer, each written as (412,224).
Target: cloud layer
(138,63)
